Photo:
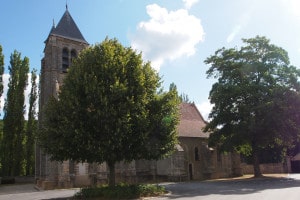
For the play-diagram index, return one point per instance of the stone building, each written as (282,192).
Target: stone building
(63,43)
(192,160)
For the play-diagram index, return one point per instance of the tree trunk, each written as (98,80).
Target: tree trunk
(256,167)
(112,176)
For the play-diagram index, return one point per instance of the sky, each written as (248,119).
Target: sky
(175,35)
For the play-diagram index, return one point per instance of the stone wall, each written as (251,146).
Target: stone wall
(271,168)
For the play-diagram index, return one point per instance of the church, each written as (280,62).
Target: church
(192,160)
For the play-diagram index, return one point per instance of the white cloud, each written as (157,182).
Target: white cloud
(167,35)
(204,108)
(189,3)
(26,93)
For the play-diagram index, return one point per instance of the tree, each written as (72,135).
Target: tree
(185,98)
(1,91)
(31,126)
(256,99)
(109,110)
(1,70)
(13,121)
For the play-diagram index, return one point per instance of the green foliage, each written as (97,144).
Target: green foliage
(256,98)
(121,191)
(13,129)
(163,120)
(1,136)
(185,98)
(1,70)
(31,127)
(109,110)
(268,155)
(1,91)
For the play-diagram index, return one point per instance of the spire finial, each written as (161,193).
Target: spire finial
(66,4)
(53,23)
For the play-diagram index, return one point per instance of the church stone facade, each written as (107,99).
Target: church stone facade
(192,160)
(63,43)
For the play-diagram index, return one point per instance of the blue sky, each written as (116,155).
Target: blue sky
(175,35)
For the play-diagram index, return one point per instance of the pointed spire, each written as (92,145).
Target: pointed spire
(66,27)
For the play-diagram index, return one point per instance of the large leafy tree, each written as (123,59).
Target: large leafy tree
(256,98)
(109,110)
(13,121)
(31,127)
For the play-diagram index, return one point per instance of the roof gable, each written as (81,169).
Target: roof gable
(67,28)
(191,122)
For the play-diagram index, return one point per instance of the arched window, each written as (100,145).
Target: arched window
(65,60)
(196,154)
(73,54)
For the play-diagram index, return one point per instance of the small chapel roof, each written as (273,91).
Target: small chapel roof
(191,122)
(67,28)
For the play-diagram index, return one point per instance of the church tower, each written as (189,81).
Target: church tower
(63,44)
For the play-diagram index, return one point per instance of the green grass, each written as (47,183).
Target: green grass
(121,191)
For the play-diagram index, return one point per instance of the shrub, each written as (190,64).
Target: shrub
(121,191)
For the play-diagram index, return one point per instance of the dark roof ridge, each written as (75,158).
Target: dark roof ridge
(67,28)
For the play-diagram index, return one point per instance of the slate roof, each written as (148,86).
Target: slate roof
(191,122)
(67,28)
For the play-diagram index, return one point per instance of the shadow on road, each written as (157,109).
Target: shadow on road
(194,190)
(229,187)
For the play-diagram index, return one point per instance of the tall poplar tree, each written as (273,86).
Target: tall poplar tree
(31,125)
(1,70)
(14,108)
(1,91)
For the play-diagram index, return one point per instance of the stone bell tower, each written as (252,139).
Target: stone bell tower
(63,43)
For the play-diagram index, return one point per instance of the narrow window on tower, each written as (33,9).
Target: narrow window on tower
(196,154)
(73,55)
(65,60)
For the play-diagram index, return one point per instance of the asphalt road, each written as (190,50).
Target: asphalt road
(29,192)
(275,188)
(279,188)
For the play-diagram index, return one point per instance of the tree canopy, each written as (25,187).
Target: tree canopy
(13,120)
(109,110)
(256,101)
(31,127)
(1,70)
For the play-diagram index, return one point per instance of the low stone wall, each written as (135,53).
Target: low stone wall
(24,179)
(270,168)
(17,179)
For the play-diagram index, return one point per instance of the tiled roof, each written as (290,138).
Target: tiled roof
(67,28)
(191,122)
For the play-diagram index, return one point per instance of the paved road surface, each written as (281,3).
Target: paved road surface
(279,188)
(28,192)
(247,189)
